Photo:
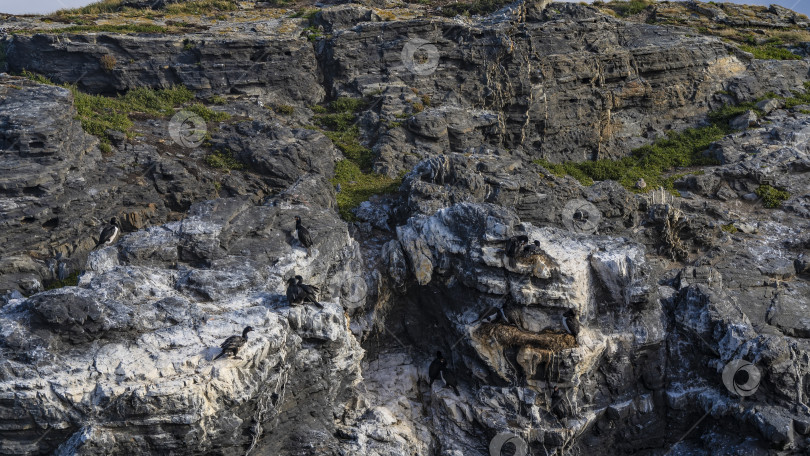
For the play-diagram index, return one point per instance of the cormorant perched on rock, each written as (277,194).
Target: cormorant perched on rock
(436,367)
(232,344)
(303,234)
(450,379)
(109,234)
(295,295)
(571,322)
(532,249)
(309,292)
(514,246)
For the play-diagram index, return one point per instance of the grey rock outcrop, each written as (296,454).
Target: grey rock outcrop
(282,69)
(514,370)
(669,290)
(58,187)
(123,363)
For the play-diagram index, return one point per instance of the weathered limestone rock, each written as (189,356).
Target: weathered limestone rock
(147,324)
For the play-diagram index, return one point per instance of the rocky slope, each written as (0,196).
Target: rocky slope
(670,287)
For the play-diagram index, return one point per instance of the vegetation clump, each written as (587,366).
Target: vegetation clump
(223,159)
(354,175)
(107,62)
(678,149)
(730,228)
(283,109)
(99,114)
(208,114)
(772,197)
(357,186)
(70,281)
(626,8)
(769,52)
(476,7)
(110,28)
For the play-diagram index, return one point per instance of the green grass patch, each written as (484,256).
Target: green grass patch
(223,159)
(104,6)
(358,183)
(627,8)
(312,33)
(769,52)
(728,112)
(730,228)
(478,7)
(70,281)
(201,7)
(346,105)
(349,143)
(217,100)
(99,113)
(798,98)
(208,114)
(358,186)
(126,28)
(306,13)
(339,123)
(283,109)
(772,197)
(678,149)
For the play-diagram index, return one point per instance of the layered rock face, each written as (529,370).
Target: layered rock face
(58,188)
(561,82)
(673,290)
(277,69)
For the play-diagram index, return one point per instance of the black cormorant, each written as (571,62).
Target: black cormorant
(295,295)
(109,234)
(436,366)
(514,246)
(303,234)
(532,249)
(571,322)
(309,292)
(232,344)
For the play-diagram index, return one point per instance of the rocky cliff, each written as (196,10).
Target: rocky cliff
(691,301)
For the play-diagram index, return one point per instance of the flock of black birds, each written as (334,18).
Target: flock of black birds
(299,293)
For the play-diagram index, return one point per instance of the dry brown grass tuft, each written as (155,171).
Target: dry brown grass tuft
(512,336)
(107,62)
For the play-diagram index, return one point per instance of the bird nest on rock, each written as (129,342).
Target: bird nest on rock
(508,335)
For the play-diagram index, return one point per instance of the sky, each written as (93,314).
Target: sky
(49,6)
